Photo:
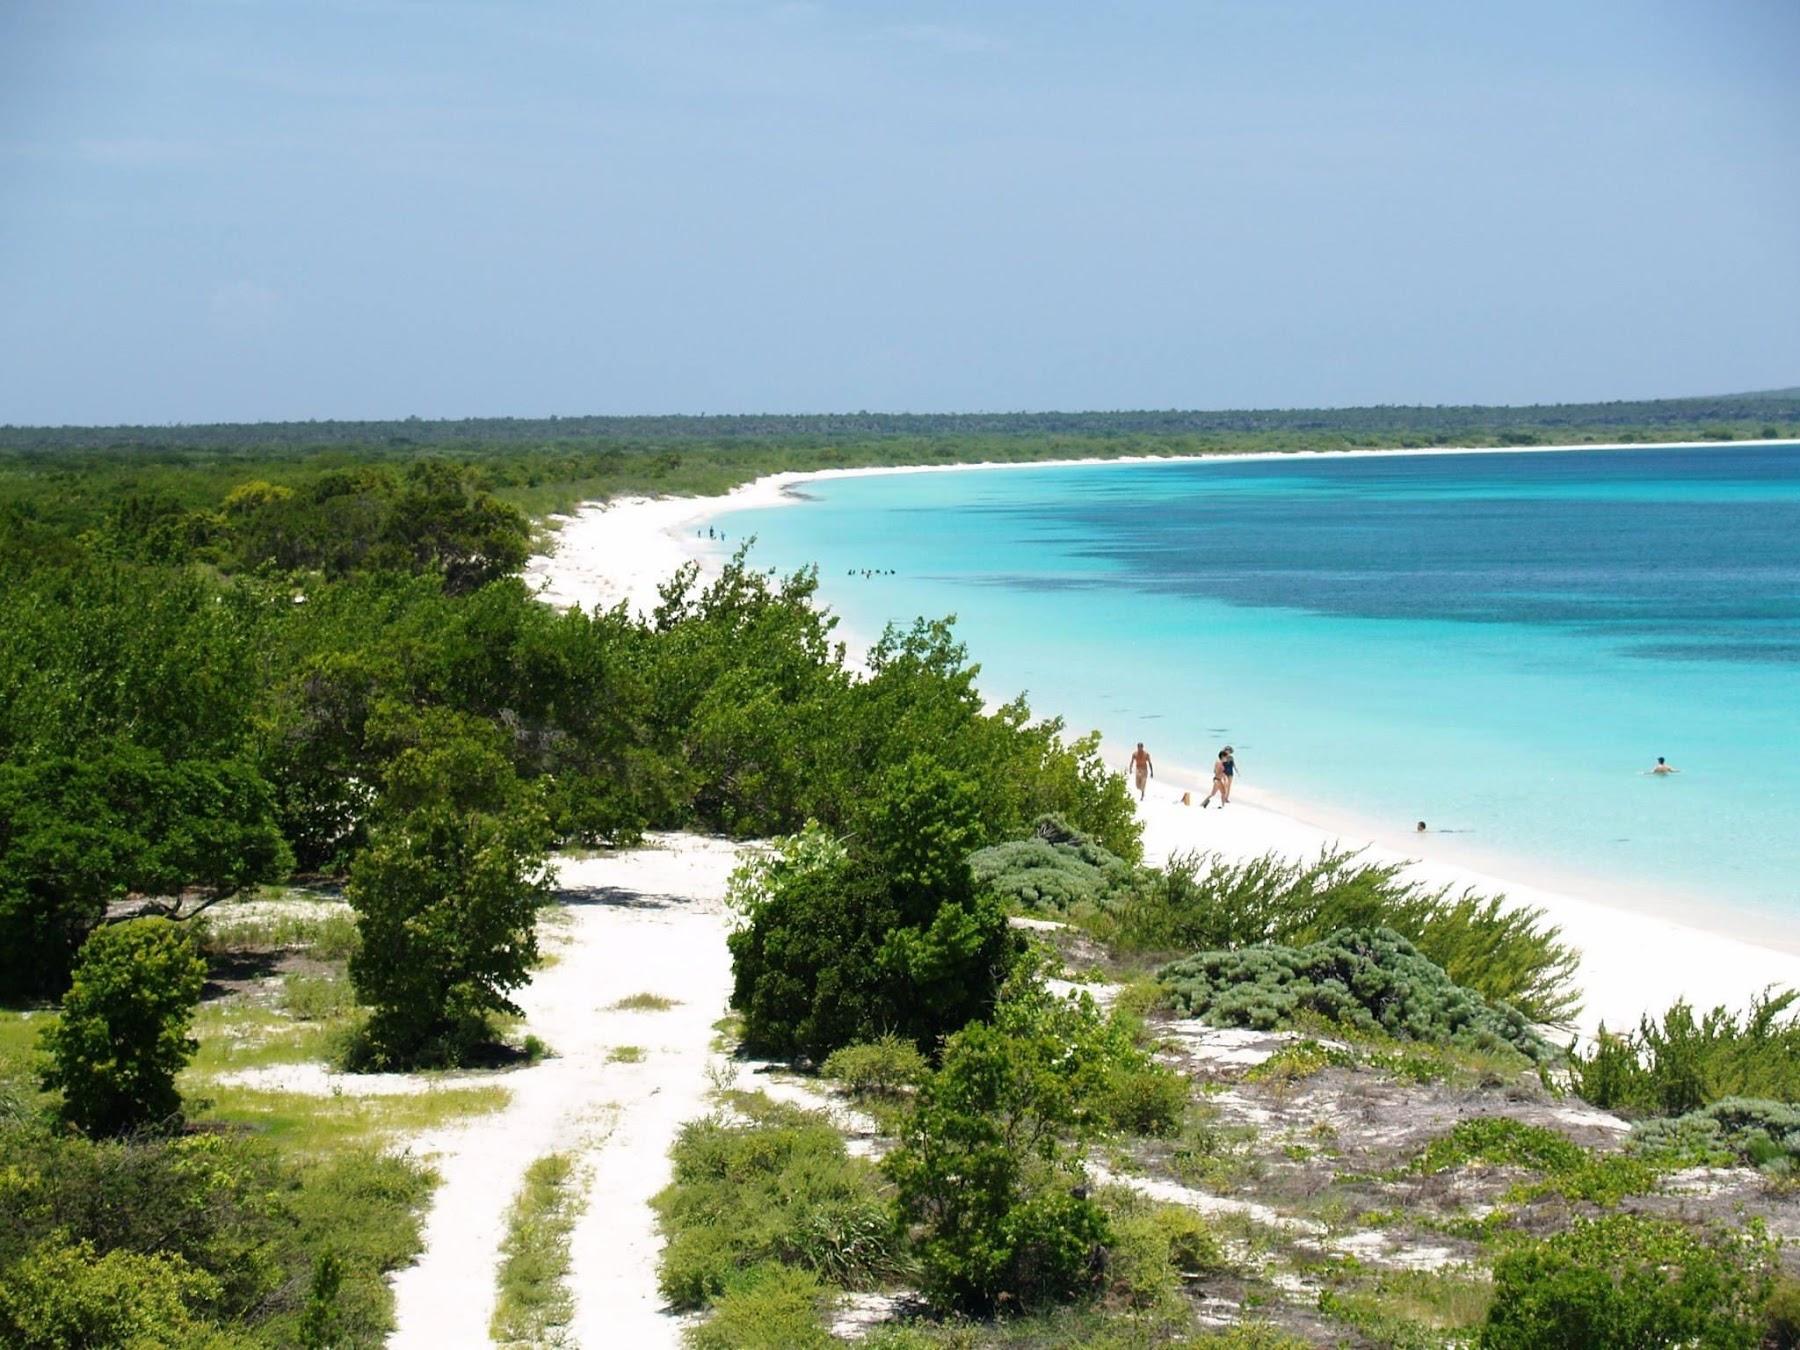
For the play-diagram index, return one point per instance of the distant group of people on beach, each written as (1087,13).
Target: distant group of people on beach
(1143,769)
(1224,771)
(866,572)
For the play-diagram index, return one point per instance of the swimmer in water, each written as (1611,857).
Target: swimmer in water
(1421,827)
(1662,767)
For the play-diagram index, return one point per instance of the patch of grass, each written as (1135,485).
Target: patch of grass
(1208,1155)
(328,936)
(1567,1168)
(773,1307)
(1411,1309)
(625,1054)
(316,1125)
(237,1035)
(316,998)
(644,1003)
(777,1187)
(535,1304)
(1300,1059)
(1101,1326)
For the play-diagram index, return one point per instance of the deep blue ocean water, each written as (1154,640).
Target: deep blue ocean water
(1498,643)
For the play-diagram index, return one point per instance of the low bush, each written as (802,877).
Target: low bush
(241,1236)
(1506,954)
(316,998)
(1734,1130)
(122,1036)
(67,1294)
(771,1308)
(1678,1063)
(1155,1249)
(778,1188)
(1781,1314)
(880,1068)
(1625,1282)
(1052,871)
(1370,980)
(983,1170)
(1565,1167)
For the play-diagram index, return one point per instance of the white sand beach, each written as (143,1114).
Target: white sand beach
(1637,956)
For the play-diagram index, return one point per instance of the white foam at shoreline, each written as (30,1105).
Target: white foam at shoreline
(1632,961)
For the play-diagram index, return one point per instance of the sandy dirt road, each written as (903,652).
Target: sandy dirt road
(645,921)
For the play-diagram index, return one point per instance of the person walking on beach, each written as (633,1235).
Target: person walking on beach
(1663,766)
(1142,770)
(1224,770)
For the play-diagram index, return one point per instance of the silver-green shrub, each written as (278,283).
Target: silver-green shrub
(1366,979)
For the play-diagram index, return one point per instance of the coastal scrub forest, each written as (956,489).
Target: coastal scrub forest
(289,752)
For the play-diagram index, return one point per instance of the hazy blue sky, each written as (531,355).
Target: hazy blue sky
(248,209)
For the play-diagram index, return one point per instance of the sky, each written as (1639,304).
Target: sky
(243,210)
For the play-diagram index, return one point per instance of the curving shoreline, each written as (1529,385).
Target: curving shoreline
(1638,953)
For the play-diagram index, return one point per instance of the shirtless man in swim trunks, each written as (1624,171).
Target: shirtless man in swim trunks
(1142,770)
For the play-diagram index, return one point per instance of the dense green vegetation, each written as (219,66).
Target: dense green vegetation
(217,673)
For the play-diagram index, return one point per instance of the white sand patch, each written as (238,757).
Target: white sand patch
(315,1080)
(645,921)
(228,912)
(1229,1047)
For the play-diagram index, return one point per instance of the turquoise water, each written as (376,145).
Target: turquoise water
(1500,644)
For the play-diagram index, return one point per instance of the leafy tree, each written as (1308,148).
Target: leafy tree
(78,834)
(122,1036)
(448,889)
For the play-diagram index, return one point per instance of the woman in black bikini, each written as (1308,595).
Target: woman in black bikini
(1224,769)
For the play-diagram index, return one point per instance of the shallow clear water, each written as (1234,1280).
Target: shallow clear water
(1498,643)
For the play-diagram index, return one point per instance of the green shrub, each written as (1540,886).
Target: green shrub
(1781,1314)
(982,1169)
(879,1068)
(780,1189)
(1204,901)
(771,1308)
(1370,980)
(1154,1249)
(1624,1282)
(1679,1063)
(70,1295)
(1053,871)
(229,1210)
(890,937)
(122,1036)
